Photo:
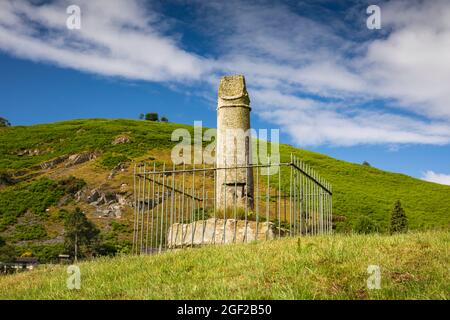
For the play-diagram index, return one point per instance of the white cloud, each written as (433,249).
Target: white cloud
(312,123)
(117,38)
(412,63)
(308,77)
(286,57)
(440,178)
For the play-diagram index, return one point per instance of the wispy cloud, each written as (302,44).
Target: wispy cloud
(323,81)
(412,63)
(436,177)
(288,57)
(117,38)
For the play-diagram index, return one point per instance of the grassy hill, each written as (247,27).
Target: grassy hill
(31,195)
(413,266)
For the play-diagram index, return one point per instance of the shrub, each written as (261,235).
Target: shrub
(110,161)
(119,227)
(5,179)
(35,197)
(29,232)
(399,221)
(26,254)
(4,122)
(71,185)
(365,225)
(46,253)
(164,119)
(62,214)
(81,237)
(113,247)
(7,253)
(242,214)
(151,116)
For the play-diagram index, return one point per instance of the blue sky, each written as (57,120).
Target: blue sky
(313,69)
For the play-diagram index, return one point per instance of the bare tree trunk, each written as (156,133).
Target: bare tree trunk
(76,247)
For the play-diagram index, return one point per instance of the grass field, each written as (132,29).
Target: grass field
(413,266)
(358,190)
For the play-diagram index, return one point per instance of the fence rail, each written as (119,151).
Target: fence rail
(186,207)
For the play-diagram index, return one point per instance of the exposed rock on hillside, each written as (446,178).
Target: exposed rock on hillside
(81,158)
(124,188)
(53,163)
(121,167)
(123,138)
(71,160)
(30,152)
(106,203)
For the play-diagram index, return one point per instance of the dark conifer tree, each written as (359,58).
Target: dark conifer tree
(399,221)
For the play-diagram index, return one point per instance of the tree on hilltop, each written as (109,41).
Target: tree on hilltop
(4,122)
(151,116)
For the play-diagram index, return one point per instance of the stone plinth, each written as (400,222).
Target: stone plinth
(211,231)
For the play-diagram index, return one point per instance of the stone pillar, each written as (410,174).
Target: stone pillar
(233,148)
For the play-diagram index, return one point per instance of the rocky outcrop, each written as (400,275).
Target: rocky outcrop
(53,163)
(123,138)
(80,158)
(212,231)
(98,198)
(124,188)
(121,167)
(30,152)
(71,160)
(106,203)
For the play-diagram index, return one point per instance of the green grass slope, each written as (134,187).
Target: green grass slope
(358,190)
(413,266)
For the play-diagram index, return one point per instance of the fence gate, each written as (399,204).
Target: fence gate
(181,207)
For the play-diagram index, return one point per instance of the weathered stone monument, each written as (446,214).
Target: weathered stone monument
(233,149)
(182,207)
